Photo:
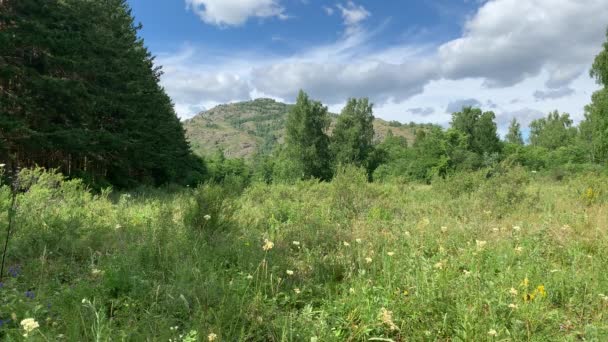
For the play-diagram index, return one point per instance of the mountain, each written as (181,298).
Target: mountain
(240,129)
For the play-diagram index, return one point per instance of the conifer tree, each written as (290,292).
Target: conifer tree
(80,92)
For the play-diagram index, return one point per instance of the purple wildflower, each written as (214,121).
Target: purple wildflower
(30,294)
(4,321)
(14,271)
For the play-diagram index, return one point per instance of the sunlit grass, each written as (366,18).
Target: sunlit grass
(312,262)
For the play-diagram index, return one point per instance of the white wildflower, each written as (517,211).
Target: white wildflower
(29,325)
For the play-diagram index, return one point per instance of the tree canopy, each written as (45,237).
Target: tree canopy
(80,92)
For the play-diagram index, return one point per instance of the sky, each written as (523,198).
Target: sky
(417,60)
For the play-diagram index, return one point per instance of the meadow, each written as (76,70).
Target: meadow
(494,255)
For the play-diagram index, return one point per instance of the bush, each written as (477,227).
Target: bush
(210,211)
(459,184)
(505,189)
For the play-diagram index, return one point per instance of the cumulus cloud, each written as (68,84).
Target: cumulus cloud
(334,82)
(190,85)
(507,41)
(456,106)
(234,12)
(540,95)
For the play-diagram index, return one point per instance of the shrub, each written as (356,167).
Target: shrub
(505,188)
(210,212)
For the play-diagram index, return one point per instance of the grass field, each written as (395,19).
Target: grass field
(517,256)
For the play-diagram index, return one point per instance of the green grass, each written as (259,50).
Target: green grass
(350,261)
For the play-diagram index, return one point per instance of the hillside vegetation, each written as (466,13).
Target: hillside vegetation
(245,128)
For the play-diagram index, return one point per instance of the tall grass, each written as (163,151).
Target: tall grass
(506,255)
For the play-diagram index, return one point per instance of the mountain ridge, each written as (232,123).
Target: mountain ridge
(242,129)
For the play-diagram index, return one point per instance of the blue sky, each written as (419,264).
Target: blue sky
(417,60)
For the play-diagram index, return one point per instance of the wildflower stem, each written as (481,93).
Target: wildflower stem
(11,214)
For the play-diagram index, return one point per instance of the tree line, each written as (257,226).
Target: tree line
(80,92)
(470,143)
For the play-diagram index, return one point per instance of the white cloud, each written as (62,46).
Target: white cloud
(234,12)
(507,41)
(353,15)
(328,10)
(335,82)
(543,46)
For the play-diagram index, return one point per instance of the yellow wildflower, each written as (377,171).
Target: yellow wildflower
(541,290)
(368,260)
(513,291)
(289,272)
(268,245)
(390,253)
(492,332)
(528,297)
(211,337)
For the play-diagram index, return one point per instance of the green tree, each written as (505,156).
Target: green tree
(599,69)
(480,129)
(514,135)
(552,132)
(352,137)
(80,92)
(594,129)
(306,138)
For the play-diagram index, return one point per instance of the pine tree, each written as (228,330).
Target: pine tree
(80,92)
(306,138)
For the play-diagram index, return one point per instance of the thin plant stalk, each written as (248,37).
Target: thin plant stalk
(11,215)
